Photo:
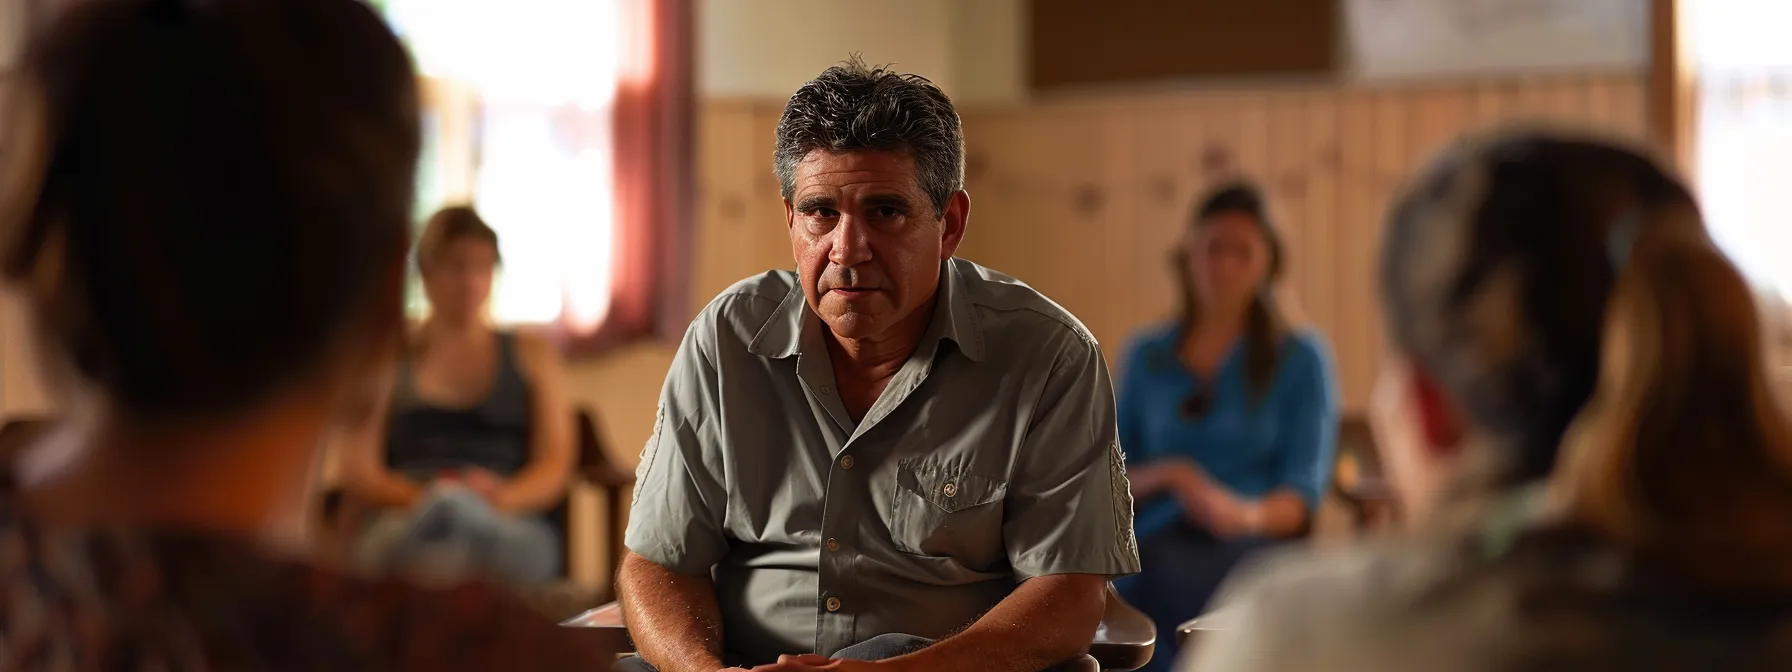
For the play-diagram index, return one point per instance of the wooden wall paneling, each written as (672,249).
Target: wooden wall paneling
(1251,145)
(1512,102)
(1359,204)
(1120,229)
(1394,151)
(1629,113)
(1440,117)
(1486,106)
(1285,178)
(992,187)
(765,205)
(1168,145)
(1602,102)
(1318,260)
(1070,216)
(1567,100)
(999,188)
(723,190)
(1216,128)
(1534,98)
(1041,216)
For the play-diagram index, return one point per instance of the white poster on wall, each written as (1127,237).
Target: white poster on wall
(1441,38)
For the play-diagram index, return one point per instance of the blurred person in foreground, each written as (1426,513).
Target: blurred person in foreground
(473,447)
(1583,406)
(1228,416)
(206,209)
(890,454)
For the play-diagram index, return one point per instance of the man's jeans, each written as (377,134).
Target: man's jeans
(453,535)
(880,647)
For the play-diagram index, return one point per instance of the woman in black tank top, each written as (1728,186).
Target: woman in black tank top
(473,446)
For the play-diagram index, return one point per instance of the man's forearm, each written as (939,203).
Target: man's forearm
(1046,621)
(673,618)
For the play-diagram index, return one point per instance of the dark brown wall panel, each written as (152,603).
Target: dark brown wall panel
(1079,43)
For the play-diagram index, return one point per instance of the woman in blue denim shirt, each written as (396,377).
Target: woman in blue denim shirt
(1227,415)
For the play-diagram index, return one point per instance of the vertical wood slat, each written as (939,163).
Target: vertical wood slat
(1318,260)
(1120,238)
(1285,178)
(765,202)
(1166,148)
(1357,208)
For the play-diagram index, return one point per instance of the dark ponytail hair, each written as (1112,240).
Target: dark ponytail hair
(1566,294)
(1265,325)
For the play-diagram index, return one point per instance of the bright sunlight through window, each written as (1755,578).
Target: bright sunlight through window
(1744,140)
(534,152)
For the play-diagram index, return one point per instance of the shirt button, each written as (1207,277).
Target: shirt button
(833,545)
(833,604)
(950,490)
(846,462)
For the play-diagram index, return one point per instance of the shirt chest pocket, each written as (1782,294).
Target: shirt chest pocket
(945,512)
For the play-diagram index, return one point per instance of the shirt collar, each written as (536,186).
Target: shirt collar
(954,319)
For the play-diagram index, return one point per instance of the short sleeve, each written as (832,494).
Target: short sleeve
(676,518)
(1069,503)
(1309,436)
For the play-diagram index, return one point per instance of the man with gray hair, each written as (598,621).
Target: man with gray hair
(889,455)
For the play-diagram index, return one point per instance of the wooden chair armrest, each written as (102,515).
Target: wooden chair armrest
(1126,637)
(605,475)
(606,616)
(1190,633)
(604,623)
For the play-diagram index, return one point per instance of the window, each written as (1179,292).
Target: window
(518,100)
(1744,143)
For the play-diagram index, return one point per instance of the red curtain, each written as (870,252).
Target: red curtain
(651,122)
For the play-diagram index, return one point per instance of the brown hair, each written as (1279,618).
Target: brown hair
(210,196)
(449,225)
(1265,325)
(1568,296)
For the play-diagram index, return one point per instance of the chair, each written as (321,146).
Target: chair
(1358,475)
(1124,641)
(596,467)
(1190,634)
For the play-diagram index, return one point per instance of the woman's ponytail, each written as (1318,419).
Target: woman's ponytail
(1682,455)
